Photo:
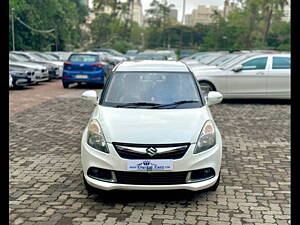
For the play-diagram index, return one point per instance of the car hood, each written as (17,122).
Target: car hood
(56,63)
(29,65)
(151,126)
(207,72)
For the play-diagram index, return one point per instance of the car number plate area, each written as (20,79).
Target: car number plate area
(81,76)
(150,165)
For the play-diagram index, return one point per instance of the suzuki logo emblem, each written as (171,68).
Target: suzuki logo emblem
(151,151)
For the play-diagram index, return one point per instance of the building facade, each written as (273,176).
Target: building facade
(228,7)
(287,12)
(173,16)
(138,12)
(202,14)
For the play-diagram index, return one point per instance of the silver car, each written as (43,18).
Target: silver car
(252,76)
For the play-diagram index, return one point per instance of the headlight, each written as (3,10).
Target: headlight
(207,138)
(95,137)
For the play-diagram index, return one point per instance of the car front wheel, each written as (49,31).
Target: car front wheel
(65,85)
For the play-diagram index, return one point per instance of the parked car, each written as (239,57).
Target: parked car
(63,55)
(253,75)
(58,68)
(55,56)
(40,72)
(83,68)
(179,146)
(32,59)
(149,56)
(185,53)
(114,53)
(218,62)
(132,53)
(20,78)
(10,80)
(169,54)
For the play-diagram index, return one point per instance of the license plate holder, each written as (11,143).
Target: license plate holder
(150,165)
(81,76)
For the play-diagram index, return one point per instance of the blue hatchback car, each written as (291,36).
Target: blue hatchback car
(83,68)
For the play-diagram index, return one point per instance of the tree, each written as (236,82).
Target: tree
(64,15)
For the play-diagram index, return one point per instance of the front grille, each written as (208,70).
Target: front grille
(166,178)
(125,152)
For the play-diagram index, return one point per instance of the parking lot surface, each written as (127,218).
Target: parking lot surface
(46,123)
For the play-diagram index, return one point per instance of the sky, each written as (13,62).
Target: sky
(189,5)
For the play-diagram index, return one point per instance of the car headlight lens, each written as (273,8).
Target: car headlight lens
(95,137)
(207,138)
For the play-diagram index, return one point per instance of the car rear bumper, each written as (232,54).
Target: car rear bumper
(92,77)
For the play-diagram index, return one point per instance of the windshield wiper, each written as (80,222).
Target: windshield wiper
(174,103)
(137,104)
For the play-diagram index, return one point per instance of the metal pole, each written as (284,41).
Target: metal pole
(13,28)
(183,12)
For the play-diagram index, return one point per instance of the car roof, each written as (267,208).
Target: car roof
(152,65)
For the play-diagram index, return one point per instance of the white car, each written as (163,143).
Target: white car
(10,81)
(40,72)
(253,75)
(151,129)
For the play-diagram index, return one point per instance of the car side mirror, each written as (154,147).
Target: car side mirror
(214,97)
(90,96)
(237,68)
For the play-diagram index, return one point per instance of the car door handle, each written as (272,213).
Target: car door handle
(260,73)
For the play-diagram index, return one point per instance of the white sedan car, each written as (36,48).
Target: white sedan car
(10,81)
(256,76)
(151,129)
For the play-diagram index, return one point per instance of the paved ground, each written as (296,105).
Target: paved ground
(45,173)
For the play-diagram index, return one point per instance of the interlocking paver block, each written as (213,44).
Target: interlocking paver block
(46,181)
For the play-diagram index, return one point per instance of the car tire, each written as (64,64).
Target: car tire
(206,87)
(216,185)
(65,85)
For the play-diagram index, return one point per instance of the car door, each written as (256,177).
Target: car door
(278,81)
(250,81)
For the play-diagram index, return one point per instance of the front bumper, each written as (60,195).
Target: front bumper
(211,158)
(40,76)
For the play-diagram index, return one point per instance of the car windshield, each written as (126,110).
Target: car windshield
(41,56)
(83,58)
(35,57)
(21,57)
(223,59)
(230,63)
(131,52)
(46,56)
(148,89)
(210,58)
(52,56)
(150,57)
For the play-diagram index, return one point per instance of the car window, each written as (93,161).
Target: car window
(255,64)
(151,87)
(83,58)
(281,63)
(22,57)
